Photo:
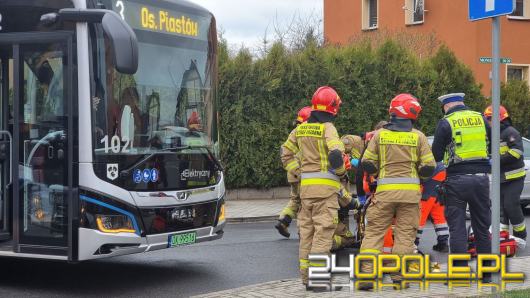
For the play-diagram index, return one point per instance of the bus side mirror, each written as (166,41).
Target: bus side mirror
(122,37)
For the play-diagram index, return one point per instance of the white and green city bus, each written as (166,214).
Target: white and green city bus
(108,128)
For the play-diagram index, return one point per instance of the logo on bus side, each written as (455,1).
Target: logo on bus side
(112,171)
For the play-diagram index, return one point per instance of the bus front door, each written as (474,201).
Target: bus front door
(37,111)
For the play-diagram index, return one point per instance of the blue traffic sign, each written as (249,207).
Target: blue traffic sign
(482,9)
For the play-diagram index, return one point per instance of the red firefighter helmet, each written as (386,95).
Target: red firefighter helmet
(327,100)
(303,114)
(405,106)
(503,113)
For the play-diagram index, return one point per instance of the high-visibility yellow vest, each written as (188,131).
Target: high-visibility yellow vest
(469,140)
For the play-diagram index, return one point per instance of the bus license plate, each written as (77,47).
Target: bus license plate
(182,239)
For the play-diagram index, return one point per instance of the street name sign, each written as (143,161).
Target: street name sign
(482,9)
(489,60)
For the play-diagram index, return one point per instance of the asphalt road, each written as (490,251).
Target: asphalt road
(248,254)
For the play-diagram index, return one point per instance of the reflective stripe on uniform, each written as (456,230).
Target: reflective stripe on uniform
(323,175)
(384,181)
(387,250)
(334,143)
(291,146)
(369,155)
(289,212)
(387,187)
(505,227)
(304,263)
(292,165)
(319,181)
(519,228)
(323,156)
(369,251)
(515,153)
(427,158)
(338,240)
(518,173)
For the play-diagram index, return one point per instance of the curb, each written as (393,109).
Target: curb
(268,218)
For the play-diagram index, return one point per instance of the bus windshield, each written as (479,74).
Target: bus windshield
(169,104)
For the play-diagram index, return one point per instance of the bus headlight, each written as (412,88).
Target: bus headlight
(114,224)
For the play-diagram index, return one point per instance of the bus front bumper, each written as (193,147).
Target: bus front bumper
(94,244)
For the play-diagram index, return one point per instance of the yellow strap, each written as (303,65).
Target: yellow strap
(387,187)
(320,181)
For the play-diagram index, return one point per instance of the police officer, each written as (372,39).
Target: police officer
(322,164)
(512,176)
(399,156)
(461,141)
(290,211)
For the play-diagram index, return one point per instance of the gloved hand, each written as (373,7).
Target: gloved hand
(347,164)
(354,162)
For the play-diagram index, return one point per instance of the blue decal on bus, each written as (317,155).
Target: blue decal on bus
(146,175)
(154,175)
(137,176)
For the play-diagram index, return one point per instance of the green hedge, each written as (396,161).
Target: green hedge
(259,97)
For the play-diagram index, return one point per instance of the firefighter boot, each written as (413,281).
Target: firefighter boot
(283,225)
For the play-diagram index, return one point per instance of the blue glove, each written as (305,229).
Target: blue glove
(354,162)
(362,200)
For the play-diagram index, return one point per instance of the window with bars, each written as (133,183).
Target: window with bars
(370,14)
(414,11)
(517,72)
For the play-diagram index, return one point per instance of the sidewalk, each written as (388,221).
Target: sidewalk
(254,210)
(294,288)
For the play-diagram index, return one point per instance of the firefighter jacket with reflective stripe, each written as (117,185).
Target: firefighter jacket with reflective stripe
(429,185)
(469,141)
(314,142)
(512,153)
(398,158)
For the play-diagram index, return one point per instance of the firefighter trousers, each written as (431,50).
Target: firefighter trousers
(511,211)
(317,221)
(379,218)
(461,190)
(293,206)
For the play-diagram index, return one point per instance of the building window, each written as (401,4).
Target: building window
(517,72)
(521,10)
(370,15)
(414,11)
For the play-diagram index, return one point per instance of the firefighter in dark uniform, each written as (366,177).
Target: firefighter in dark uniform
(512,176)
(461,141)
